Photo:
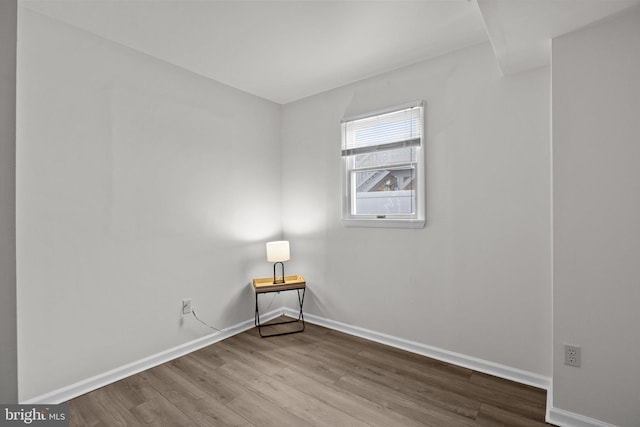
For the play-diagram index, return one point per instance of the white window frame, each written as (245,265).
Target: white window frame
(414,220)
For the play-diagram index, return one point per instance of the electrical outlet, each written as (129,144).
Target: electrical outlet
(186,306)
(572,355)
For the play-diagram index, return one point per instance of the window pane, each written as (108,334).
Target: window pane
(383,167)
(384,192)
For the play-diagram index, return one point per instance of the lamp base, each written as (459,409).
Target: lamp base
(278,280)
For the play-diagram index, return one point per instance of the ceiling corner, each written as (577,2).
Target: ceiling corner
(521,32)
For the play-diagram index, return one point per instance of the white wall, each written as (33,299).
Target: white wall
(139,184)
(596,193)
(477,279)
(8,344)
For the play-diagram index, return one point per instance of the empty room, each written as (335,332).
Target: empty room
(439,197)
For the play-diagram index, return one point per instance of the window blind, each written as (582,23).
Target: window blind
(395,129)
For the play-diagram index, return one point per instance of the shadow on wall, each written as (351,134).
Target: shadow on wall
(238,301)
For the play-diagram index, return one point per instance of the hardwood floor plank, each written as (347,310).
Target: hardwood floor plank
(363,409)
(398,402)
(155,410)
(443,385)
(320,372)
(206,380)
(319,377)
(490,416)
(420,388)
(159,412)
(382,371)
(349,343)
(259,360)
(76,418)
(208,357)
(165,379)
(305,404)
(264,413)
(522,391)
(414,363)
(194,401)
(502,399)
(210,412)
(125,392)
(98,408)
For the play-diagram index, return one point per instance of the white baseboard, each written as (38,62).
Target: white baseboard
(563,418)
(554,416)
(480,365)
(74,390)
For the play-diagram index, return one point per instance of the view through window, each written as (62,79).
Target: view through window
(382,165)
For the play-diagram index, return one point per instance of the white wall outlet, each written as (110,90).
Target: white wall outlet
(572,356)
(186,306)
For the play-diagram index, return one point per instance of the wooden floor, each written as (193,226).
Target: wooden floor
(319,378)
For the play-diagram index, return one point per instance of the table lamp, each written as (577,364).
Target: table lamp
(277,252)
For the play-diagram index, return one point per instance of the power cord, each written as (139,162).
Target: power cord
(204,323)
(273,297)
(193,311)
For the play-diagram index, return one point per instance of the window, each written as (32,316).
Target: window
(383,168)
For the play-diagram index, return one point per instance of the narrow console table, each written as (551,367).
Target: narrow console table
(291,283)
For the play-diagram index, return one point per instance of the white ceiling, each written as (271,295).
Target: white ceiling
(521,31)
(287,50)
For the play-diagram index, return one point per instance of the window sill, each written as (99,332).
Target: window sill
(383,223)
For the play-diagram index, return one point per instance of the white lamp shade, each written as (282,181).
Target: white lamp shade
(278,251)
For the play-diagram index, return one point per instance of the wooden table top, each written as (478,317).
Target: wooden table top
(290,282)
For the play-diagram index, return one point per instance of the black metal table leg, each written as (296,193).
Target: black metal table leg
(256,317)
(299,319)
